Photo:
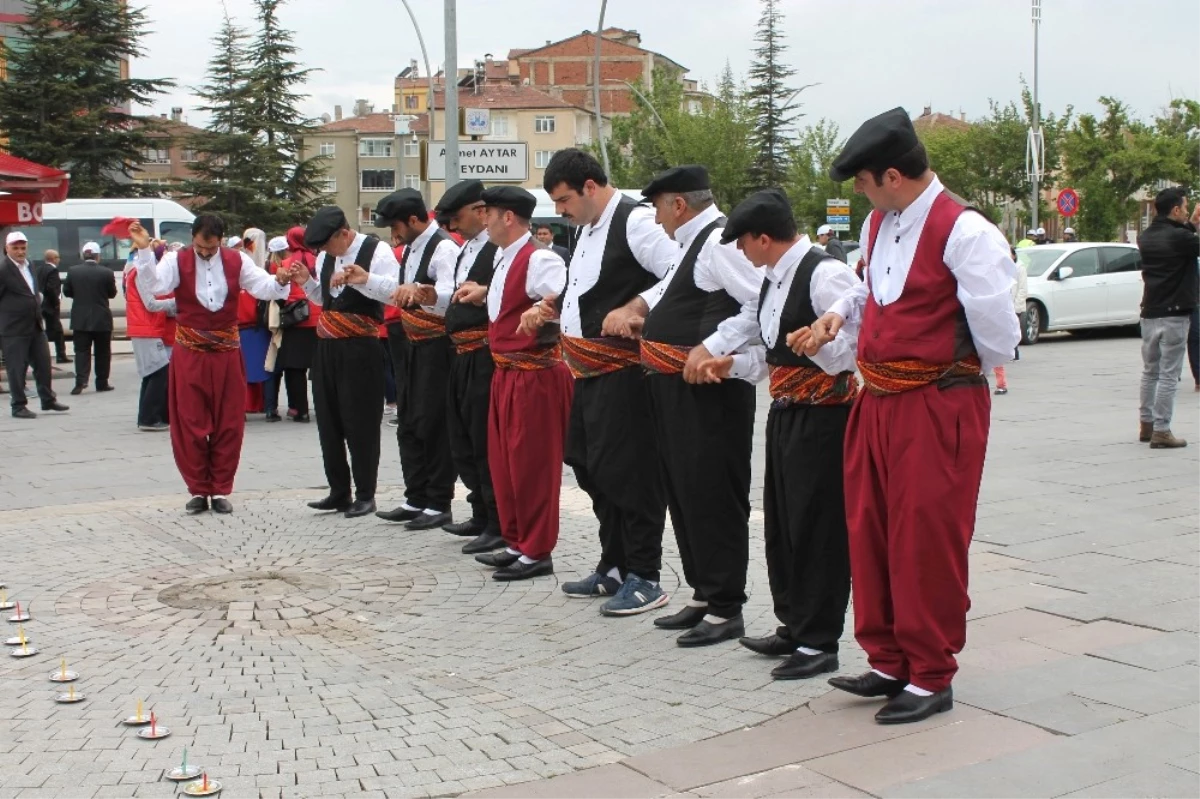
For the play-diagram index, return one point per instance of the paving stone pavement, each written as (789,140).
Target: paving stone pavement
(297,655)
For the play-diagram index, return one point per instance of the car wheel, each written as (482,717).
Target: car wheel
(1034,323)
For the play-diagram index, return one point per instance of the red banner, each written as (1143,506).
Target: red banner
(20,209)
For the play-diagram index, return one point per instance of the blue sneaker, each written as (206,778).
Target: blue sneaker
(636,596)
(594,585)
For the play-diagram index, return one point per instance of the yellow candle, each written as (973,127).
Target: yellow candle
(139,712)
(64,668)
(72,696)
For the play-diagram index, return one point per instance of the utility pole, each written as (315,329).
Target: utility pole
(1036,150)
(451,94)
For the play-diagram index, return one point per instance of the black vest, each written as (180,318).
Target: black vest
(431,246)
(797,311)
(350,300)
(621,276)
(464,315)
(687,314)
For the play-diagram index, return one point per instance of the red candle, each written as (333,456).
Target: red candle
(204,784)
(153,724)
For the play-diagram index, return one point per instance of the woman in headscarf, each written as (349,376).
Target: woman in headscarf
(296,334)
(255,337)
(150,325)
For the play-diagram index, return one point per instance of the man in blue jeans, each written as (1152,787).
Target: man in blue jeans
(1169,248)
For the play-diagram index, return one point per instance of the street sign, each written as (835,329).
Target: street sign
(837,214)
(491,162)
(1068,202)
(478,122)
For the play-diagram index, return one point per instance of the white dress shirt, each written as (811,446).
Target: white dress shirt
(977,255)
(441,267)
(26,270)
(649,243)
(830,281)
(545,278)
(382,278)
(162,277)
(717,268)
(468,254)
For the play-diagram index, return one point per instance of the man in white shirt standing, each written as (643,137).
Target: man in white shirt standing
(22,332)
(936,316)
(206,369)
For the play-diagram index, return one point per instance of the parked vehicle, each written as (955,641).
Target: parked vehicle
(67,226)
(1079,286)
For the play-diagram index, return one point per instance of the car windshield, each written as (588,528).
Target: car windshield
(1037,260)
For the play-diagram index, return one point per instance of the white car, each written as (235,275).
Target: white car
(1075,286)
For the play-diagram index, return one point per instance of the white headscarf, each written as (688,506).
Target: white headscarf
(259,256)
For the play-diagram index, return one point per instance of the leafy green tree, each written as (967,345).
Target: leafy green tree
(809,186)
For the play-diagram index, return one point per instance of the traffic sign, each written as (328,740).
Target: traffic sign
(837,214)
(1068,202)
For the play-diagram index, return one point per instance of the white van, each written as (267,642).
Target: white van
(67,226)
(564,232)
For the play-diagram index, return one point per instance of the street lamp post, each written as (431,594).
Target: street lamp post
(596,89)
(429,74)
(1036,149)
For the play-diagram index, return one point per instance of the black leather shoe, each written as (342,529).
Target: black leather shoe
(868,685)
(340,504)
(706,634)
(106,387)
(770,645)
(55,406)
(196,505)
(274,417)
(906,707)
(300,417)
(75,392)
(23,413)
(400,514)
(428,521)
(801,666)
(524,571)
(361,507)
(484,542)
(62,359)
(685,619)
(222,505)
(469,527)
(497,560)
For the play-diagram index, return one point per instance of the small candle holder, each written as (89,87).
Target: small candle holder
(24,651)
(178,774)
(202,787)
(62,674)
(14,641)
(69,698)
(153,732)
(139,719)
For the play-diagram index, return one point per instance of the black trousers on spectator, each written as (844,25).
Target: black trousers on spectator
(21,352)
(54,332)
(152,402)
(296,381)
(85,343)
(1193,345)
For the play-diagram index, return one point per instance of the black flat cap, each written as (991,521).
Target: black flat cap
(460,195)
(876,145)
(513,198)
(324,223)
(677,180)
(762,212)
(399,206)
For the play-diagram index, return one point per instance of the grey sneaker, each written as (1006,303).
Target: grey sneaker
(593,585)
(636,596)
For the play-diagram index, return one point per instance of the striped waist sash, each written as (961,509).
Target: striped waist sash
(335,324)
(207,340)
(663,359)
(529,360)
(592,357)
(805,385)
(469,340)
(421,325)
(894,377)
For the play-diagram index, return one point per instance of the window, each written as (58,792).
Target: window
(1120,259)
(375,148)
(327,148)
(329,185)
(378,180)
(188,156)
(412,101)
(172,232)
(412,149)
(499,125)
(543,124)
(1038,259)
(542,157)
(1085,263)
(412,182)
(156,155)
(366,215)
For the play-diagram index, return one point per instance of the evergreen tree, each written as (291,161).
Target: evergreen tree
(63,103)
(772,100)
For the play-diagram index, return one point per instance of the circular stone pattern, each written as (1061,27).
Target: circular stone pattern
(250,585)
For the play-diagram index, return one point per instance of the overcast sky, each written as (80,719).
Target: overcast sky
(867,55)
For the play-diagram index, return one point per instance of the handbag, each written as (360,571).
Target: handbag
(293,313)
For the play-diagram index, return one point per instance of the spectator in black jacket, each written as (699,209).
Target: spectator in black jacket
(51,287)
(21,328)
(91,286)
(829,240)
(1169,248)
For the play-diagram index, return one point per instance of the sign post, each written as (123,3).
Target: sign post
(837,215)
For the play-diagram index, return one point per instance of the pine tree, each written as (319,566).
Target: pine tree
(772,100)
(63,103)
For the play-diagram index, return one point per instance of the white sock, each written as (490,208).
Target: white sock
(199,496)
(711,619)
(804,650)
(615,574)
(912,689)
(218,496)
(884,676)
(526,560)
(430,512)
(406,506)
(696,603)
(511,551)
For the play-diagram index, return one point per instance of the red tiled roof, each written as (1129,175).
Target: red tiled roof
(939,120)
(502,96)
(370,123)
